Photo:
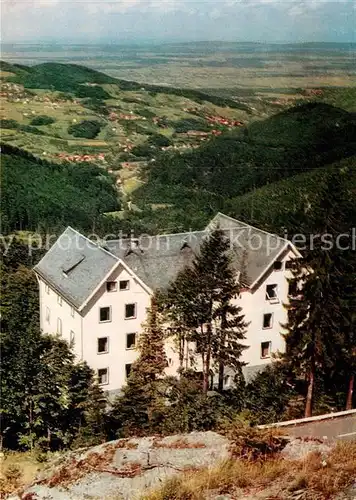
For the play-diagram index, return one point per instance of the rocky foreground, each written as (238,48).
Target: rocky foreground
(127,469)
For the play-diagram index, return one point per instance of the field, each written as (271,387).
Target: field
(234,68)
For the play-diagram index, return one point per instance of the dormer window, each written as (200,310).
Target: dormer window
(185,245)
(111,286)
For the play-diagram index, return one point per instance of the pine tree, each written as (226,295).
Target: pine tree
(85,416)
(139,409)
(318,318)
(200,303)
(230,328)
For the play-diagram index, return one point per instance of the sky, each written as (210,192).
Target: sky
(119,21)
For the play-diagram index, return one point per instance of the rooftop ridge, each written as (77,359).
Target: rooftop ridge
(93,243)
(250,225)
(159,235)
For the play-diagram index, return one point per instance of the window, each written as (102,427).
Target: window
(278,265)
(292,289)
(59,300)
(103,376)
(130,311)
(130,340)
(271,293)
(59,326)
(124,285)
(47,289)
(289,264)
(267,320)
(103,345)
(105,314)
(111,286)
(128,370)
(227,379)
(265,349)
(72,312)
(71,337)
(48,315)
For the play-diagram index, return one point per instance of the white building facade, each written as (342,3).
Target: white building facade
(96,296)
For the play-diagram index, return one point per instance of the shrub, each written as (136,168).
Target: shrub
(9,124)
(159,140)
(269,393)
(88,129)
(42,120)
(97,105)
(31,130)
(84,91)
(189,409)
(146,113)
(253,443)
(10,479)
(143,151)
(186,124)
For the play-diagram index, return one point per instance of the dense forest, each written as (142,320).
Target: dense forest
(289,143)
(259,174)
(37,194)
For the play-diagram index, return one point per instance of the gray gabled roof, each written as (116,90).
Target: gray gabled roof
(156,260)
(254,250)
(75,266)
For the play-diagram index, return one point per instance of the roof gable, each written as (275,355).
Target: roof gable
(157,260)
(75,266)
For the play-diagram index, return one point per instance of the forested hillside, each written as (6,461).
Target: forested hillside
(296,140)
(263,174)
(37,194)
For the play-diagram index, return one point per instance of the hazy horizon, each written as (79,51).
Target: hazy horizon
(178,21)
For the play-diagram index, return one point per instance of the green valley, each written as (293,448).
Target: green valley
(157,158)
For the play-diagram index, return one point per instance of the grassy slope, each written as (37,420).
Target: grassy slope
(219,175)
(276,169)
(67,78)
(61,91)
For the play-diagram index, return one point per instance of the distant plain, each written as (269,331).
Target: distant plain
(230,69)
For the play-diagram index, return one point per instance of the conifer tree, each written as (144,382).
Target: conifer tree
(139,409)
(200,301)
(319,326)
(85,415)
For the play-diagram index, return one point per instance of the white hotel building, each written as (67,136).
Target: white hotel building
(96,296)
